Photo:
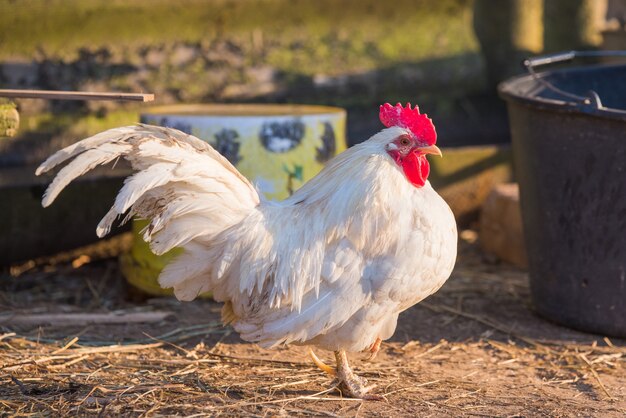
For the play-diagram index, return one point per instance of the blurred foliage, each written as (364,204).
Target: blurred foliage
(77,125)
(299,36)
(9,119)
(349,53)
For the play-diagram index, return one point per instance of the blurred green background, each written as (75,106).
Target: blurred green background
(446,55)
(350,53)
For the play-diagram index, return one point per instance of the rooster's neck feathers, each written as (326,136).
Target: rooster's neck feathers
(356,173)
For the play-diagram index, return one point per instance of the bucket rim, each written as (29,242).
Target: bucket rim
(508,90)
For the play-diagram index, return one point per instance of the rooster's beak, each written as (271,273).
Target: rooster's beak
(431,149)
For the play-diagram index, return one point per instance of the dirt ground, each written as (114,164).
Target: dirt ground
(474,349)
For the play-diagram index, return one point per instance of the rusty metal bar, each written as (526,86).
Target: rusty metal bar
(75,95)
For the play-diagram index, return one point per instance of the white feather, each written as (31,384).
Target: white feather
(138,184)
(90,159)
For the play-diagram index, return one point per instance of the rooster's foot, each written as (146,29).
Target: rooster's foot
(374,349)
(349,383)
(355,387)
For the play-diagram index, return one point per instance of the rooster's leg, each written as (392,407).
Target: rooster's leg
(374,349)
(349,383)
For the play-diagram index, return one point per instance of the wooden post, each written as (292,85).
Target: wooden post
(574,24)
(508,32)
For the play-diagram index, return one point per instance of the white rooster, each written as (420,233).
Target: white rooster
(332,266)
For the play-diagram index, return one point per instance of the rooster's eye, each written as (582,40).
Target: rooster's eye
(404,141)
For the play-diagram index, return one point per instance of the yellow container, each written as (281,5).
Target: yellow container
(277,147)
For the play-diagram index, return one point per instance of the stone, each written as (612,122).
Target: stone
(183,54)
(501,232)
(19,74)
(155,57)
(261,74)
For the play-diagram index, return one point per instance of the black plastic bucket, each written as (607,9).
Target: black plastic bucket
(568,129)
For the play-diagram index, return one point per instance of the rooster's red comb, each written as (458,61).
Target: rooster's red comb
(411,119)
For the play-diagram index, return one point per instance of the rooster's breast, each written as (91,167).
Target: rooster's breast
(425,252)
(427,258)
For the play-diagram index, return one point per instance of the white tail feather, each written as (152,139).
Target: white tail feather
(92,158)
(186,188)
(136,185)
(73,150)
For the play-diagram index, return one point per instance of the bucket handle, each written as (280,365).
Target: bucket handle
(593,99)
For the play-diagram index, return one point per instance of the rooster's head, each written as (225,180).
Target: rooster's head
(415,138)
